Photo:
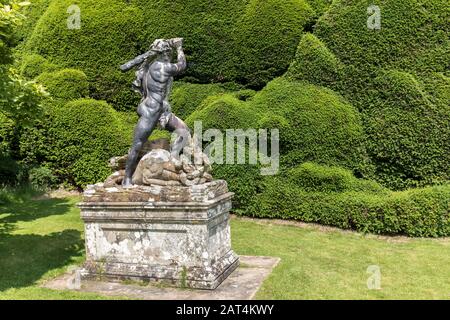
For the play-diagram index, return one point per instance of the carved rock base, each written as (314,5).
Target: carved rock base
(185,243)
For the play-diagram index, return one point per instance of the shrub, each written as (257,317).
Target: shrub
(315,125)
(224,112)
(245,94)
(107,38)
(313,62)
(42,178)
(32,12)
(208,28)
(243,179)
(7,127)
(320,6)
(417,213)
(437,87)
(322,126)
(226,40)
(66,84)
(9,170)
(83,135)
(186,97)
(34,64)
(396,76)
(412,35)
(408,134)
(267,35)
(316,178)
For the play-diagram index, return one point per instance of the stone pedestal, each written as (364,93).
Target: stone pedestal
(175,234)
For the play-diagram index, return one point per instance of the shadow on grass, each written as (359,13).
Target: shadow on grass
(25,258)
(29,211)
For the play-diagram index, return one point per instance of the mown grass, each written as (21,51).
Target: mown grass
(318,264)
(40,239)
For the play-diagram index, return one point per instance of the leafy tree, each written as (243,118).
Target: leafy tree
(19,99)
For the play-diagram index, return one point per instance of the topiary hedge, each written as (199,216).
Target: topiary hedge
(314,62)
(33,65)
(313,177)
(107,37)
(224,112)
(33,12)
(267,35)
(319,125)
(315,125)
(320,6)
(417,212)
(396,76)
(186,97)
(65,84)
(413,35)
(408,134)
(80,138)
(208,28)
(243,41)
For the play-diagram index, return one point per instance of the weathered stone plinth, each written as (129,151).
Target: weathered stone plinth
(174,234)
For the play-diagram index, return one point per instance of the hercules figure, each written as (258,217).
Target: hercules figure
(154,80)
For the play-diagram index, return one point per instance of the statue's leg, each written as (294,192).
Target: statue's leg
(149,113)
(182,131)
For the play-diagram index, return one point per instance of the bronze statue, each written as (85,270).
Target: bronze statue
(154,79)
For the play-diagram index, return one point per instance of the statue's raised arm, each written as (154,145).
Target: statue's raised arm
(181,64)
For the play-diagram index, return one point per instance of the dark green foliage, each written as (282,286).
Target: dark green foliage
(42,178)
(244,180)
(9,170)
(245,94)
(106,39)
(408,135)
(208,28)
(320,6)
(186,97)
(66,84)
(314,62)
(437,87)
(316,124)
(418,213)
(267,35)
(33,12)
(224,112)
(83,136)
(413,35)
(243,41)
(316,178)
(34,64)
(398,78)
(237,40)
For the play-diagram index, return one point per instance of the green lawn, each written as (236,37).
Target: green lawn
(41,238)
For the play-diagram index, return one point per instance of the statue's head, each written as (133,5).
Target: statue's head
(163,48)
